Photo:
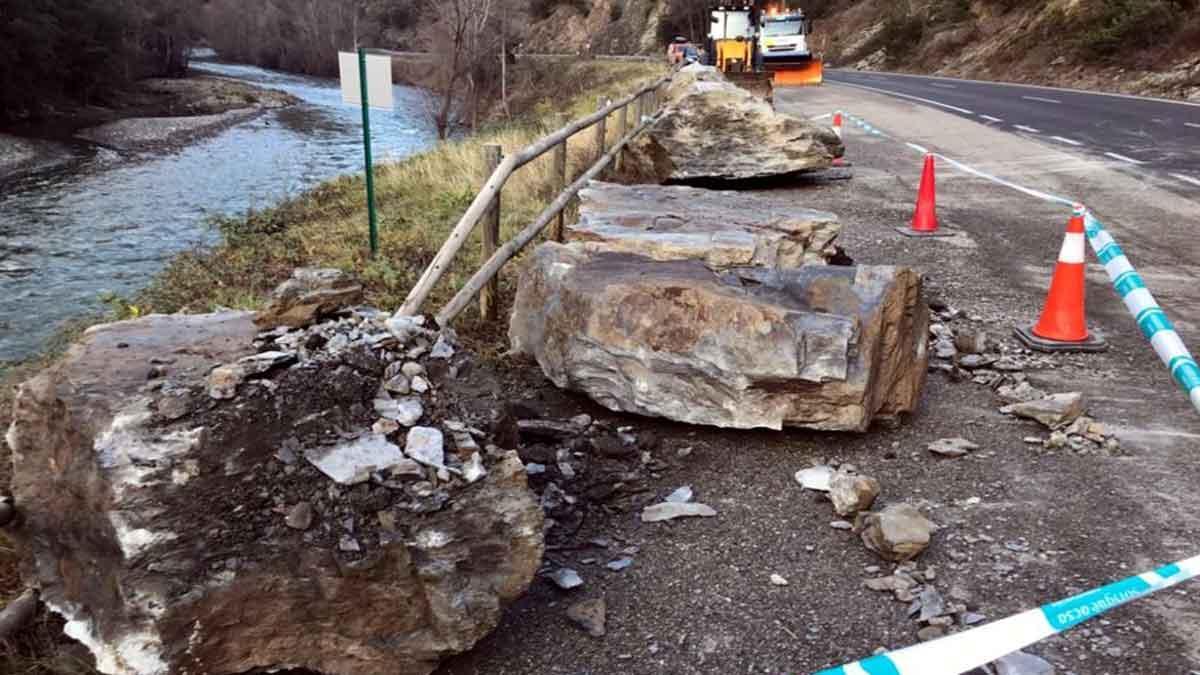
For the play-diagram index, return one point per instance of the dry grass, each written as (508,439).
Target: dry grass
(419,200)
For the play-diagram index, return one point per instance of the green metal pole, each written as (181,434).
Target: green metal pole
(366,115)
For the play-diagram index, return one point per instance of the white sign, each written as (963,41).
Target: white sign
(379,79)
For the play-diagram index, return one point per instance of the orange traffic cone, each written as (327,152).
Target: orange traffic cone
(925,222)
(837,123)
(1063,324)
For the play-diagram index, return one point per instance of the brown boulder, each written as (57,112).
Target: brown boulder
(819,346)
(723,229)
(714,131)
(311,294)
(162,524)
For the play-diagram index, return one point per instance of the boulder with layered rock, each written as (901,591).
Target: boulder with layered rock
(712,131)
(723,229)
(270,518)
(821,347)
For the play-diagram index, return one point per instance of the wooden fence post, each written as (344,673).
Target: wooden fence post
(601,131)
(560,172)
(623,125)
(489,295)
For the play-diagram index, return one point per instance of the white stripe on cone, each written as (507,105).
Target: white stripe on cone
(1073,249)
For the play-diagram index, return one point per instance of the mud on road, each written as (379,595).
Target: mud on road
(1020,525)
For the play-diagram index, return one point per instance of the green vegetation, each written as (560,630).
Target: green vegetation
(418,199)
(1111,27)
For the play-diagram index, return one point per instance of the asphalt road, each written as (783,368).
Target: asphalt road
(1144,133)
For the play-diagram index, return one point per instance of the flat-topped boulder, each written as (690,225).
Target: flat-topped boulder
(712,131)
(721,228)
(822,347)
(271,517)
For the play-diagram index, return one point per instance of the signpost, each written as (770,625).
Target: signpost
(367,80)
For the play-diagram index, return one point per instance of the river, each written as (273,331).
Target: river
(106,223)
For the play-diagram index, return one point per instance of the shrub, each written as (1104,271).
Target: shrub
(1110,27)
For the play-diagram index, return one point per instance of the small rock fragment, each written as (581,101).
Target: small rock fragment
(852,493)
(1052,411)
(405,411)
(897,533)
(442,349)
(223,381)
(681,495)
(348,544)
(930,633)
(778,580)
(473,468)
(426,445)
(952,447)
(932,604)
(419,384)
(589,615)
(566,578)
(1020,392)
(842,525)
(815,478)
(353,462)
(300,516)
(671,510)
(385,426)
(620,564)
(1021,663)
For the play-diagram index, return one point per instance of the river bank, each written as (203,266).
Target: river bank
(155,114)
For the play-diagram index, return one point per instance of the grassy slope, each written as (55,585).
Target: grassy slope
(419,200)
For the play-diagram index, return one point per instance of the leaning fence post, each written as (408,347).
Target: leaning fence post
(601,131)
(623,125)
(490,293)
(560,173)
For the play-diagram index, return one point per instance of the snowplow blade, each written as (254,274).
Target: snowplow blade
(800,74)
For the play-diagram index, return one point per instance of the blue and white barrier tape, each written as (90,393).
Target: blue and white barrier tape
(1150,317)
(964,651)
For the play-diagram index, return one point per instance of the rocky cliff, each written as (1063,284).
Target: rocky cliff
(1133,46)
(599,27)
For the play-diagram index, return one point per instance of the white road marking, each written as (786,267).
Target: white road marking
(838,71)
(914,98)
(1026,129)
(942,86)
(1186,179)
(1068,141)
(1192,125)
(1043,100)
(1123,158)
(820,117)
(918,148)
(992,119)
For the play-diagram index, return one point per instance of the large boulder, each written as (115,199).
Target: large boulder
(268,525)
(820,346)
(722,228)
(714,132)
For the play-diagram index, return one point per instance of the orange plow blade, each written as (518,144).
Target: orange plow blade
(804,74)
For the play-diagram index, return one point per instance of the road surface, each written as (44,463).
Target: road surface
(1145,133)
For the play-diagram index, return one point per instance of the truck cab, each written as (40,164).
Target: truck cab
(784,37)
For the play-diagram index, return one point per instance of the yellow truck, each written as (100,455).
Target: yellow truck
(759,45)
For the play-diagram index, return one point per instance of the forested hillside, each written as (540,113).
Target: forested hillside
(80,51)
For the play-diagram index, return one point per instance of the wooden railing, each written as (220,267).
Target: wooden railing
(486,205)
